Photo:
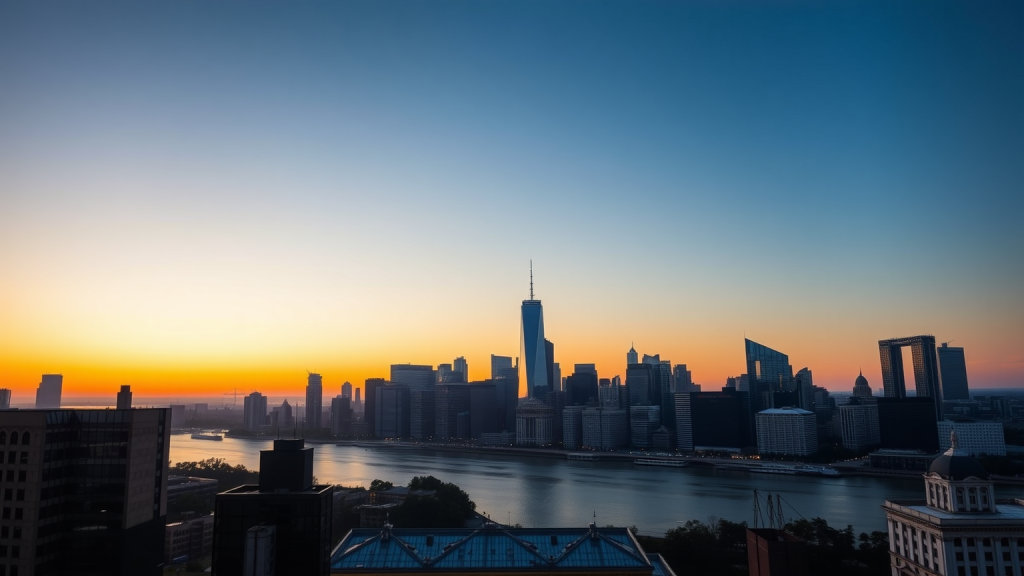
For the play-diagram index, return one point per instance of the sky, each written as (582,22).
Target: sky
(198,197)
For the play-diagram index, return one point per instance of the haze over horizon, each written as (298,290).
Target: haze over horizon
(196,197)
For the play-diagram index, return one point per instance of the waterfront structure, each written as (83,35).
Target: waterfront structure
(341,415)
(572,427)
(287,502)
(124,398)
(859,422)
(254,412)
(926,371)
(314,402)
(790,431)
(713,421)
(392,411)
(5,398)
(861,389)
(533,344)
(483,409)
(494,549)
(952,372)
(450,401)
(49,391)
(974,438)
(188,539)
(85,491)
(960,527)
(908,424)
(422,414)
(534,423)
(460,365)
(605,429)
(346,389)
(643,422)
(370,407)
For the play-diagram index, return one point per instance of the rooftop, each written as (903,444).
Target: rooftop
(494,548)
(1008,512)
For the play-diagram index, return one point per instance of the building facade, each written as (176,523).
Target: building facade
(254,412)
(605,429)
(534,423)
(975,438)
(859,421)
(643,422)
(926,371)
(953,372)
(49,391)
(534,350)
(791,431)
(314,401)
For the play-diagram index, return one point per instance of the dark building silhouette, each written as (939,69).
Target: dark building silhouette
(581,388)
(422,414)
(285,517)
(451,400)
(392,411)
(549,355)
(538,369)
(908,424)
(341,415)
(953,372)
(926,371)
(369,410)
(124,398)
(483,409)
(49,391)
(314,401)
(718,421)
(639,384)
(85,491)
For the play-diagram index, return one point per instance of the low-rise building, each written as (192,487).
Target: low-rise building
(859,421)
(975,438)
(534,423)
(189,539)
(790,431)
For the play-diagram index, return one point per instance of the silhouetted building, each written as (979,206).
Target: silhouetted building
(450,401)
(632,357)
(605,429)
(639,384)
(534,349)
(124,398)
(501,367)
(422,414)
(534,423)
(444,374)
(392,411)
(554,380)
(581,388)
(286,500)
(715,421)
(5,398)
(341,415)
(254,412)
(767,369)
(791,431)
(285,416)
(926,371)
(483,409)
(572,427)
(643,421)
(370,409)
(85,491)
(48,393)
(774,552)
(346,389)
(682,380)
(460,365)
(953,372)
(314,401)
(803,387)
(861,389)
(908,424)
(859,421)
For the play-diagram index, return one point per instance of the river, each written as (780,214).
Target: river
(548,492)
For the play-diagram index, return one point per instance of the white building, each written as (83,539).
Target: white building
(859,421)
(960,528)
(786,431)
(974,438)
(534,423)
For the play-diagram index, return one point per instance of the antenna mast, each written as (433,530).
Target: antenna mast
(531,279)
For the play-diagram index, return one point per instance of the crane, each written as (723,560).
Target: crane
(232,393)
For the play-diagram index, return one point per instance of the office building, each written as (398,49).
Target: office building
(369,409)
(187,540)
(87,492)
(908,424)
(926,370)
(414,376)
(643,422)
(124,398)
(422,414)
(534,423)
(533,343)
(254,412)
(581,389)
(767,369)
(803,387)
(787,431)
(501,367)
(288,503)
(483,409)
(463,551)
(444,374)
(314,402)
(391,419)
(203,489)
(605,429)
(682,380)
(283,417)
(639,384)
(48,393)
(960,527)
(341,416)
(346,390)
(861,389)
(572,427)
(608,395)
(460,365)
(952,372)
(450,401)
(974,438)
(178,412)
(714,421)
(554,371)
(5,398)
(632,357)
(859,421)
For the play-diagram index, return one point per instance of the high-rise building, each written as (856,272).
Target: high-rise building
(483,409)
(534,350)
(369,410)
(346,390)
(572,427)
(607,395)
(48,393)
(502,367)
(588,368)
(392,411)
(769,369)
(908,424)
(643,422)
(953,372)
(554,380)
(422,414)
(632,357)
(803,387)
(357,406)
(926,370)
(861,389)
(124,398)
(87,493)
(5,398)
(713,421)
(254,412)
(534,426)
(859,421)
(416,377)
(314,402)
(286,500)
(285,415)
(444,374)
(605,429)
(450,401)
(789,431)
(638,385)
(682,380)
(460,365)
(341,415)
(581,388)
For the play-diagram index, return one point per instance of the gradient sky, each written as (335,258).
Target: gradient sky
(198,196)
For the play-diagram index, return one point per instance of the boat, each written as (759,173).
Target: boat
(201,436)
(588,456)
(659,462)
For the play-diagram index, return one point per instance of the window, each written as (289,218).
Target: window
(24,439)
(14,437)
(24,457)
(12,456)
(10,475)
(16,532)
(21,475)
(959,556)
(972,556)
(19,513)
(5,531)
(20,497)
(15,551)
(8,494)
(987,541)
(7,513)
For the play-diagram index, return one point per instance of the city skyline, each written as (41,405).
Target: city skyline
(353,185)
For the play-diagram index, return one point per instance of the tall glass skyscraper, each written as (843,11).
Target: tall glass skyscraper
(953,372)
(314,401)
(767,367)
(534,350)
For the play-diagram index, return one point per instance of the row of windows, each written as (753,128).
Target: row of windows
(12,494)
(19,513)
(12,457)
(5,571)
(13,532)
(25,438)
(22,475)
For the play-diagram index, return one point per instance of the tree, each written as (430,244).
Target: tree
(226,475)
(449,507)
(380,485)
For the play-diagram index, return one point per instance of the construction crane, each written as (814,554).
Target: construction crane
(232,393)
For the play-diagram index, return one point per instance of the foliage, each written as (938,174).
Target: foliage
(378,485)
(189,503)
(226,475)
(715,547)
(448,508)
(830,550)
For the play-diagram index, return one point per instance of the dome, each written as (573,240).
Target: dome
(953,466)
(861,380)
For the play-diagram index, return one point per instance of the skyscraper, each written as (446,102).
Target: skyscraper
(415,376)
(533,344)
(48,393)
(346,390)
(682,379)
(768,368)
(953,372)
(124,398)
(314,401)
(926,370)
(501,367)
(460,365)
(632,357)
(5,398)
(861,388)
(254,411)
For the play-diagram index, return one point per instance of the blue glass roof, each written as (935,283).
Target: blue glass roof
(492,547)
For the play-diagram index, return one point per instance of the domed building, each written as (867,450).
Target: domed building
(861,389)
(960,528)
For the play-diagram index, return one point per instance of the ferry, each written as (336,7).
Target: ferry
(588,456)
(201,436)
(659,462)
